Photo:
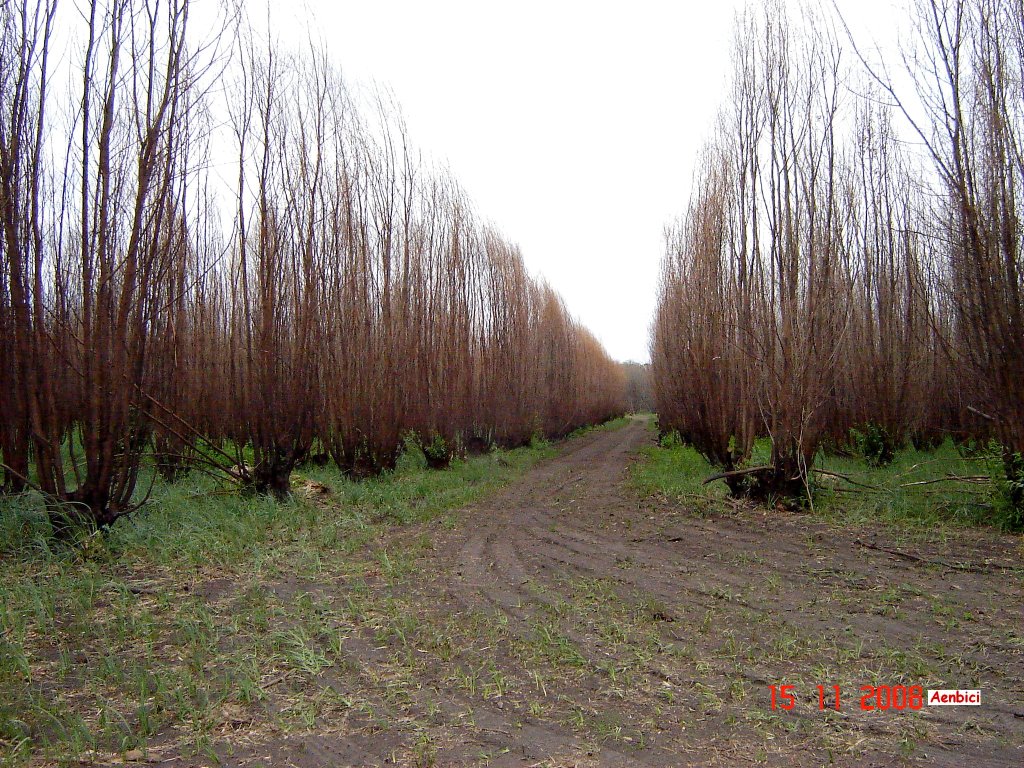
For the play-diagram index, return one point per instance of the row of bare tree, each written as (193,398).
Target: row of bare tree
(639,392)
(334,297)
(828,275)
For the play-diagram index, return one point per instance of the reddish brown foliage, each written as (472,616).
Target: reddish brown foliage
(814,286)
(354,300)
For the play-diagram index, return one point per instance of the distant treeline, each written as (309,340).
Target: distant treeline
(639,391)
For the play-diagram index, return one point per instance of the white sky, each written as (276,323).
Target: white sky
(572,125)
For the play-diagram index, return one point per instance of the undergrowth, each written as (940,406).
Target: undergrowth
(916,489)
(167,620)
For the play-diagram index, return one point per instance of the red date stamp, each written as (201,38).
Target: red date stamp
(872,697)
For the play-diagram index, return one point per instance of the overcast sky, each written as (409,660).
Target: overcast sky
(572,125)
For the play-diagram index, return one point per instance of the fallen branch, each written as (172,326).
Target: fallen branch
(736,473)
(967,567)
(951,478)
(847,478)
(975,411)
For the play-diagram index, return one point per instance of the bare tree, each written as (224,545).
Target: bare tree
(85,282)
(24,73)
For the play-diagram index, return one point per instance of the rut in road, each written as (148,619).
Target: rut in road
(566,621)
(509,541)
(701,613)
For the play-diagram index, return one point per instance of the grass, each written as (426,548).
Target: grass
(608,426)
(677,471)
(939,503)
(913,492)
(184,616)
(212,619)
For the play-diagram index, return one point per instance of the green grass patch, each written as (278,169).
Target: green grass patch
(915,491)
(199,603)
(677,471)
(608,426)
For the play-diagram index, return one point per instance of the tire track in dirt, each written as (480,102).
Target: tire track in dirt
(574,518)
(675,624)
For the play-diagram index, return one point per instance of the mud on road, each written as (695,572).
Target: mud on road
(567,622)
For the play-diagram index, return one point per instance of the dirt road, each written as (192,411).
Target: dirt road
(566,622)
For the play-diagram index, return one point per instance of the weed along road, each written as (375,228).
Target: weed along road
(566,621)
